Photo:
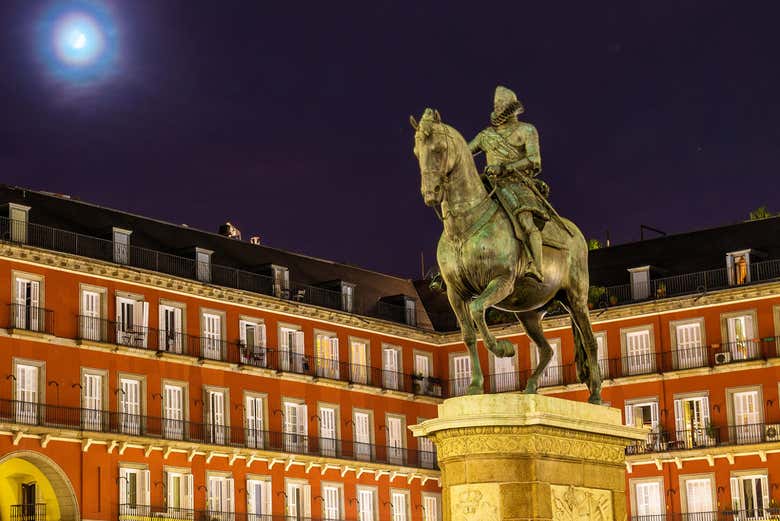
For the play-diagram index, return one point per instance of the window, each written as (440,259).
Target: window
(410,311)
(298,500)
(253,342)
(203,261)
(431,508)
(692,422)
(362,434)
(603,353)
(281,281)
(423,383)
(359,366)
(698,492)
(220,490)
(740,335)
(689,349)
(750,494)
(130,405)
(132,320)
(18,217)
(215,417)
(647,496)
(426,450)
(134,491)
(461,375)
(640,282)
(171,328)
(366,503)
(639,357)
(331,502)
(738,267)
(92,392)
(91,317)
(211,341)
(295,427)
(254,408)
(395,439)
(291,354)
(644,413)
(553,374)
(746,415)
(173,411)
(122,246)
(258,498)
(28,392)
(327,355)
(391,367)
(504,377)
(27,312)
(179,491)
(328,417)
(347,297)
(399,501)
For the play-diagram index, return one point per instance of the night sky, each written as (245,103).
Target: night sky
(290,119)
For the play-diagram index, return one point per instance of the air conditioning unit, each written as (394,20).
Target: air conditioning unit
(772,432)
(722,358)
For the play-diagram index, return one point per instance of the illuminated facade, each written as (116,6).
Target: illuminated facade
(156,371)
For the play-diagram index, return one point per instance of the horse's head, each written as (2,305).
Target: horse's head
(432,148)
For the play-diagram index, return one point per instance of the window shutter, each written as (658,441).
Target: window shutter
(251,489)
(229,490)
(303,424)
(705,411)
(146,489)
(735,500)
(267,498)
(206,407)
(123,486)
(334,347)
(21,292)
(629,410)
(168,497)
(188,491)
(35,293)
(679,417)
(654,414)
(307,500)
(261,335)
(299,342)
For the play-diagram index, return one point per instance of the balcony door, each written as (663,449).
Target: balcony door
(358,369)
(291,350)
(220,498)
(741,338)
(461,366)
(331,503)
(27,311)
(130,406)
(698,497)
(27,394)
(298,501)
(395,440)
(255,436)
(212,336)
(92,413)
(295,427)
(692,419)
(391,367)
(504,374)
(327,356)
(751,495)
(747,417)
(648,499)
(639,356)
(366,506)
(215,424)
(258,499)
(690,351)
(132,317)
(170,329)
(91,326)
(328,443)
(173,411)
(362,435)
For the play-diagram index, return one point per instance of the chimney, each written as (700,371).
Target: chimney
(255,239)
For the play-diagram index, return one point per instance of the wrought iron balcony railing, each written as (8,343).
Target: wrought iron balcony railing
(707,436)
(82,419)
(30,318)
(140,512)
(64,241)
(758,513)
(28,512)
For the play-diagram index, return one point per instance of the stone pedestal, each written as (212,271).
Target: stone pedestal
(516,457)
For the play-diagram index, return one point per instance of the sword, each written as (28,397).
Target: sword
(553,214)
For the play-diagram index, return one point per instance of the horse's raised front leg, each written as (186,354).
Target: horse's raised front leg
(497,290)
(469,334)
(532,322)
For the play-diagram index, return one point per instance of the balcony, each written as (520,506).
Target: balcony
(75,418)
(711,436)
(128,512)
(755,514)
(29,512)
(64,241)
(30,318)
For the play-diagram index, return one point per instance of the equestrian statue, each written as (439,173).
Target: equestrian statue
(503,244)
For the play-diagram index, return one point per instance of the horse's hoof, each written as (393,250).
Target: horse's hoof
(504,349)
(530,388)
(473,389)
(595,398)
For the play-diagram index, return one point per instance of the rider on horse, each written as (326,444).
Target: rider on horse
(513,162)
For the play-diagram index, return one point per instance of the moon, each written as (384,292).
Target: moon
(79,40)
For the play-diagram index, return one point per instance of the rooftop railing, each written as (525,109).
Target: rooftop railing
(82,419)
(55,239)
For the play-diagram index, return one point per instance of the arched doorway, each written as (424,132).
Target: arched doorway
(31,483)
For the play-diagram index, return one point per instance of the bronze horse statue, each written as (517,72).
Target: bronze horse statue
(482,262)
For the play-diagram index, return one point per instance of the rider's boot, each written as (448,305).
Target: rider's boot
(529,235)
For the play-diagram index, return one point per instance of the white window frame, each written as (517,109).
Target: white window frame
(690,354)
(295,434)
(363,436)
(121,240)
(335,491)
(553,374)
(27,401)
(132,320)
(129,472)
(172,340)
(253,341)
(131,409)
(640,282)
(359,366)
(253,482)
(367,512)
(255,418)
(748,348)
(31,318)
(392,377)
(328,420)
(745,432)
(92,323)
(395,425)
(186,489)
(460,373)
(684,496)
(220,495)
(212,343)
(292,349)
(638,363)
(93,418)
(175,428)
(216,422)
(737,491)
(303,500)
(431,499)
(404,513)
(326,354)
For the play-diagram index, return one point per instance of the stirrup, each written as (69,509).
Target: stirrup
(535,274)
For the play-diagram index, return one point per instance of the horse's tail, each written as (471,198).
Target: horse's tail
(580,355)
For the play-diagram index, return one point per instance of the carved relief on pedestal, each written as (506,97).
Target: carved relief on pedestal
(581,504)
(477,502)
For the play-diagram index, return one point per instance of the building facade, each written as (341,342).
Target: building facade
(156,371)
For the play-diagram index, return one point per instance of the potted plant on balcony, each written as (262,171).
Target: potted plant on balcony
(660,290)
(595,296)
(712,432)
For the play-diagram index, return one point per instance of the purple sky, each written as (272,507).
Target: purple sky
(291,119)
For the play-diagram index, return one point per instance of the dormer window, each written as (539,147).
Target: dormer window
(410,311)
(347,297)
(281,281)
(122,245)
(640,282)
(738,267)
(203,262)
(18,218)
